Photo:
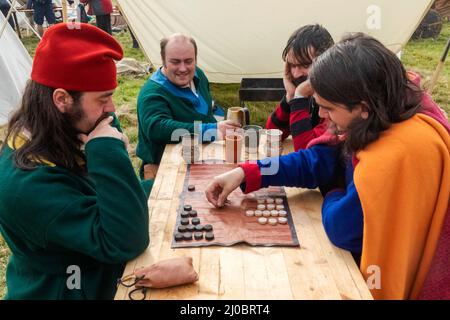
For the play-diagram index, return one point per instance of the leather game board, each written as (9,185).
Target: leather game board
(230,223)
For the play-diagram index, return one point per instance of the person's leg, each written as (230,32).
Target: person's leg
(49,13)
(104,22)
(39,18)
(40,29)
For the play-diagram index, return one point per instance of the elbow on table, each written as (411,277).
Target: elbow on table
(336,240)
(138,245)
(126,250)
(136,251)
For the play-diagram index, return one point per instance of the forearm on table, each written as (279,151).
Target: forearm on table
(305,168)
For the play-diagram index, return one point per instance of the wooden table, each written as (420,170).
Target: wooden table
(316,270)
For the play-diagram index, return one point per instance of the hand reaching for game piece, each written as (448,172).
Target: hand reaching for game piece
(221,186)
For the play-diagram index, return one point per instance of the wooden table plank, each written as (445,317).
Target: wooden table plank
(309,273)
(278,276)
(209,273)
(232,281)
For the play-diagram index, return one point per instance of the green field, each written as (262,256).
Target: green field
(420,55)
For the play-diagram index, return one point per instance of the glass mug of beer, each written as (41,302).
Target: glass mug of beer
(190,151)
(233,147)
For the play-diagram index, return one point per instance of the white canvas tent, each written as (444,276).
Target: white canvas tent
(245,38)
(15,70)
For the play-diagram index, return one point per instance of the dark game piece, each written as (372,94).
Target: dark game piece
(209,236)
(199,227)
(184,214)
(198,235)
(181,228)
(184,222)
(195,221)
(187,236)
(190,228)
(193,213)
(179,236)
(191,187)
(187,207)
(208,228)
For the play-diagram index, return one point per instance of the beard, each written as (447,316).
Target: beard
(76,115)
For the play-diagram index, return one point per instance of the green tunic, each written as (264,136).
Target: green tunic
(162,108)
(53,220)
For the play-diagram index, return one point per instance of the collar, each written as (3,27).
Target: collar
(23,137)
(160,78)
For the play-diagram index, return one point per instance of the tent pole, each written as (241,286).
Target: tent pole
(7,17)
(64,10)
(439,68)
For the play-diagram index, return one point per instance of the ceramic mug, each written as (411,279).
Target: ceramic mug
(239,115)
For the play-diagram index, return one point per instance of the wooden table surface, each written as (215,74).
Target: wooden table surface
(315,270)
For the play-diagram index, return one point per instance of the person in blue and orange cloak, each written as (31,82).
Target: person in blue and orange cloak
(387,155)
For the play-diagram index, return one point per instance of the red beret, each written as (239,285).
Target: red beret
(76,57)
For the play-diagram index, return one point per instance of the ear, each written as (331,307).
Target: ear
(364,110)
(62,100)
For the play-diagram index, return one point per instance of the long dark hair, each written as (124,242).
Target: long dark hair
(310,36)
(361,69)
(53,136)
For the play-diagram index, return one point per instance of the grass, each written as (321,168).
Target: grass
(4,255)
(419,55)
(423,56)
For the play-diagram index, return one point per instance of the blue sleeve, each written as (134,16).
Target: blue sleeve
(306,168)
(342,218)
(209,132)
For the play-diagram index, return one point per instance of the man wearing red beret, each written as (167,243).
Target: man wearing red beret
(72,209)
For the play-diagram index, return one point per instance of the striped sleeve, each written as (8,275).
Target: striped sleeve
(301,125)
(279,118)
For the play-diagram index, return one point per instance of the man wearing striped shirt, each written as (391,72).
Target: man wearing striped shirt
(297,113)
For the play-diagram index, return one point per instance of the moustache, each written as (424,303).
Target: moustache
(299,80)
(103,116)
